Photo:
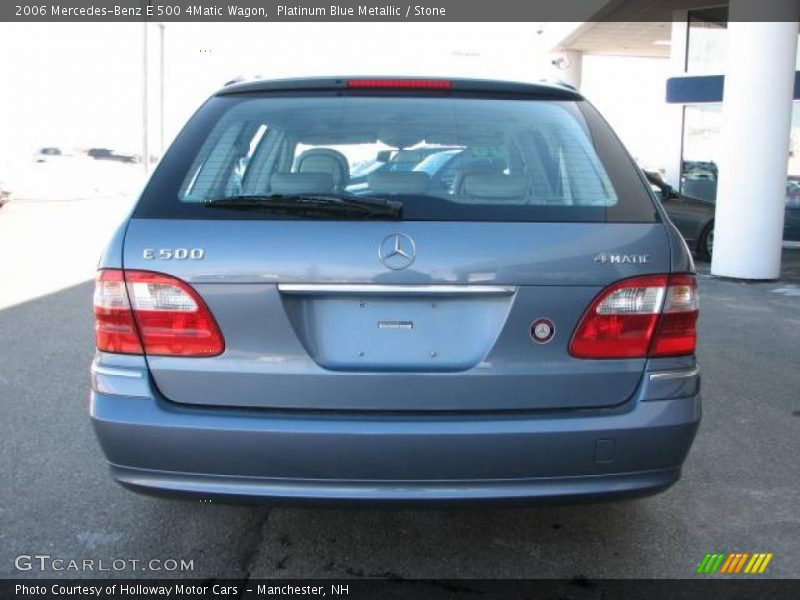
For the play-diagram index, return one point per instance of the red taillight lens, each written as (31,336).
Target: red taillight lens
(163,312)
(115,330)
(677,329)
(400,84)
(654,315)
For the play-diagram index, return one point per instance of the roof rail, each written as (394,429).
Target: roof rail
(567,85)
(559,83)
(241,79)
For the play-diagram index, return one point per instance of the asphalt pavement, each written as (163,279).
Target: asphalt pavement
(740,490)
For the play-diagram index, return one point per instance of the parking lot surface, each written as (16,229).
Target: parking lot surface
(740,489)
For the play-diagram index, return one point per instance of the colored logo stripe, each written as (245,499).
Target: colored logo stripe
(710,563)
(734,562)
(758,564)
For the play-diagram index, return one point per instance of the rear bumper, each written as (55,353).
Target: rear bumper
(344,492)
(155,446)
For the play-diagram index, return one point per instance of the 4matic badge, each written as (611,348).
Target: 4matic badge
(621,259)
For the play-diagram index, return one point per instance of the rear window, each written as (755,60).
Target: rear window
(443,157)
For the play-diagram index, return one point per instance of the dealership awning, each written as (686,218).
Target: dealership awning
(628,28)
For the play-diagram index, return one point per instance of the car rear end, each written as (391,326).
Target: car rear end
(522,329)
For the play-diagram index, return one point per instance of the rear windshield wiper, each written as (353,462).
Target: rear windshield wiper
(322,205)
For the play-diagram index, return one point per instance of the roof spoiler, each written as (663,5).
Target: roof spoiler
(544,90)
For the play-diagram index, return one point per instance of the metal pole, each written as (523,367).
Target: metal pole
(145,102)
(161,28)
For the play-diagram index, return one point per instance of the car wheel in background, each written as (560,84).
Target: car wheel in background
(705,247)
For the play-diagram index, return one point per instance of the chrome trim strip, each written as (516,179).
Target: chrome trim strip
(682,374)
(369,288)
(101,370)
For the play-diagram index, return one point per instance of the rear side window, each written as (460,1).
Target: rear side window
(443,157)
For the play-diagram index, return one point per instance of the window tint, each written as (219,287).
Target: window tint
(444,158)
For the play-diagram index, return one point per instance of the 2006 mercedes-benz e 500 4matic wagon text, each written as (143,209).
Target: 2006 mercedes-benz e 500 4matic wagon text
(520,326)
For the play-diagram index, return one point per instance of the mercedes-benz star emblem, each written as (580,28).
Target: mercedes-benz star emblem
(397,251)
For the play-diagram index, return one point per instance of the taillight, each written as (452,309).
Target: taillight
(400,84)
(653,315)
(676,334)
(114,328)
(140,312)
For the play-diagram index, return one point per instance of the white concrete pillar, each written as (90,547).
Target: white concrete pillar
(571,67)
(757,113)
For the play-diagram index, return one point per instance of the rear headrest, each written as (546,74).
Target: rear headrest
(301,183)
(495,185)
(325,160)
(474,168)
(398,182)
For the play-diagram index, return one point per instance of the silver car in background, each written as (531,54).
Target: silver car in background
(5,193)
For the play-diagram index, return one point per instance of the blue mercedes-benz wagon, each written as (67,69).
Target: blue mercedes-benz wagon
(398,290)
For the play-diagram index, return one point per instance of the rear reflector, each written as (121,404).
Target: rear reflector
(653,316)
(143,312)
(400,84)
